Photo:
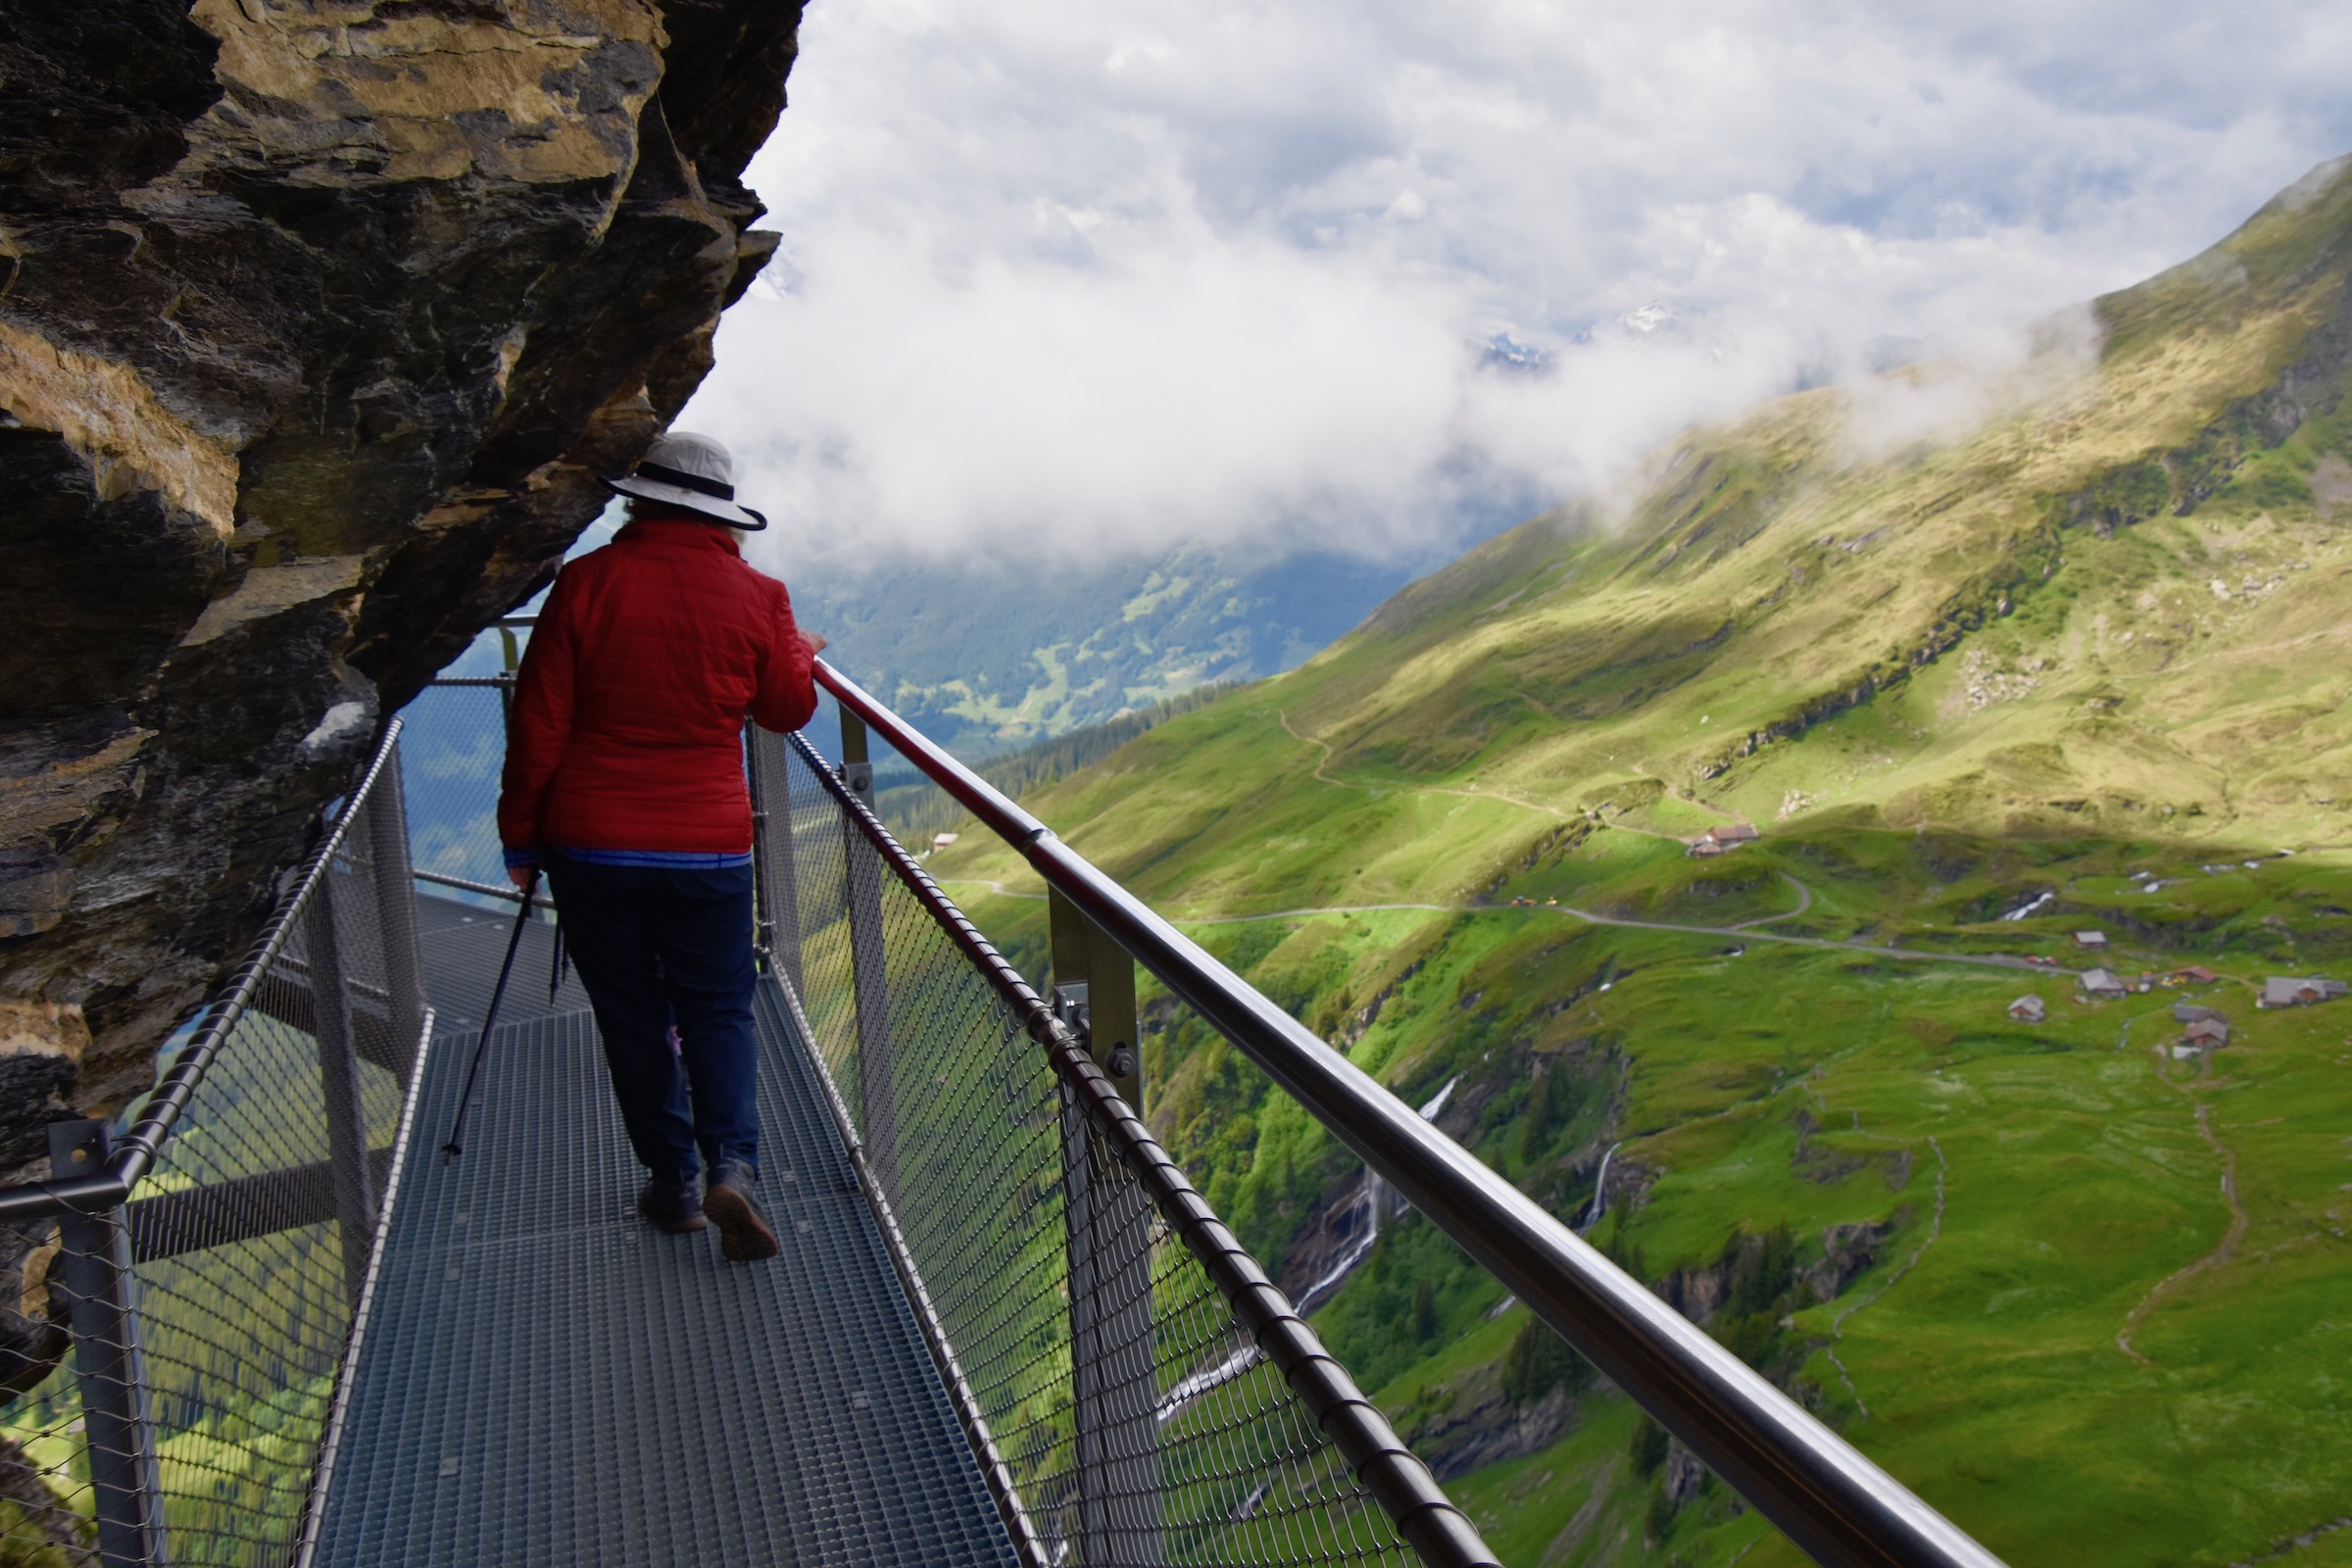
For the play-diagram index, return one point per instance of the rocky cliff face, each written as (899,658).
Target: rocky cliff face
(317,319)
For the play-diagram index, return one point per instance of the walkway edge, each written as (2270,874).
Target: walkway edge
(976,1432)
(313,1508)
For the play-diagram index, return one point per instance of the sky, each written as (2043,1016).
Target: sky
(1082,280)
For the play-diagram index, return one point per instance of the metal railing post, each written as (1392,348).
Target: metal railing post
(339,1080)
(396,910)
(1108,1224)
(93,1265)
(776,876)
(876,1097)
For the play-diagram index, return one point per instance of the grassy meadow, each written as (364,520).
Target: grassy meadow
(2085,665)
(2040,1189)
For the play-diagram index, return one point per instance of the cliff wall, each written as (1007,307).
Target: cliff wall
(317,319)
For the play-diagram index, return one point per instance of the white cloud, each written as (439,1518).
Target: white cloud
(1058,278)
(1175,380)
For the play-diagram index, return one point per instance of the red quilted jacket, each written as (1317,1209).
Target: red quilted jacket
(629,707)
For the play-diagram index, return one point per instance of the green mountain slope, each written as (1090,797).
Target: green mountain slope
(2089,665)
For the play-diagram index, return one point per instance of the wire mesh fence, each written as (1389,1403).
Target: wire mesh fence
(177,1353)
(1139,1417)
(171,1378)
(450,762)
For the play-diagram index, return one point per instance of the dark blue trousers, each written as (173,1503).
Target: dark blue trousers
(654,946)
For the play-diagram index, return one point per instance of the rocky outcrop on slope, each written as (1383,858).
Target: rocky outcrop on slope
(317,318)
(1469,1422)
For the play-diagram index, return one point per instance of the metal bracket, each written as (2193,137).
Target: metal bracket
(1095,977)
(1071,1006)
(856,772)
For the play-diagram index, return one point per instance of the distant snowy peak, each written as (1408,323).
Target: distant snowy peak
(1654,322)
(1645,320)
(1658,323)
(1503,352)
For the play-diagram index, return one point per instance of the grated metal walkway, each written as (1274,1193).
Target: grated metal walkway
(547,1379)
(462,946)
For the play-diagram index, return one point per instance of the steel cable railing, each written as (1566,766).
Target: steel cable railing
(1823,1494)
(186,1307)
(1138,1389)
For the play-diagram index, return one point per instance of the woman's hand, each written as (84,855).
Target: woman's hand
(816,644)
(523,877)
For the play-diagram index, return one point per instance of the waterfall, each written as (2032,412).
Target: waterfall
(1436,1101)
(1601,1188)
(1368,1205)
(1191,1388)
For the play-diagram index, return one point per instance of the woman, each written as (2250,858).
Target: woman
(624,781)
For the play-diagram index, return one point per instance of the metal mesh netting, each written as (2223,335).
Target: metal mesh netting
(172,1376)
(182,1422)
(1166,1439)
(450,763)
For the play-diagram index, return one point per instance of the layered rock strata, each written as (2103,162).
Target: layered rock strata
(317,319)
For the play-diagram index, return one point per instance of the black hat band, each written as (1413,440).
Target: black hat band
(685,481)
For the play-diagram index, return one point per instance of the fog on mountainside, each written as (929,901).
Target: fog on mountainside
(2043,721)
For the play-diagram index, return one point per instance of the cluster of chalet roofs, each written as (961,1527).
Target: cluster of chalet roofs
(2202,1027)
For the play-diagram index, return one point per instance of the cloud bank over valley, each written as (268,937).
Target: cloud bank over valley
(1377,277)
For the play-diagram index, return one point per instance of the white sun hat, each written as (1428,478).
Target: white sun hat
(693,472)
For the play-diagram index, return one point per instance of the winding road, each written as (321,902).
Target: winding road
(1804,902)
(1746,931)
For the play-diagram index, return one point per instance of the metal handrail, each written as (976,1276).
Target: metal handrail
(137,1152)
(1438,1531)
(1830,1499)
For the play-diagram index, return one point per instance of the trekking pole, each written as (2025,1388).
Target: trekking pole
(498,993)
(557,970)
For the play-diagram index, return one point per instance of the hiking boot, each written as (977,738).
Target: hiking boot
(672,1206)
(744,1234)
